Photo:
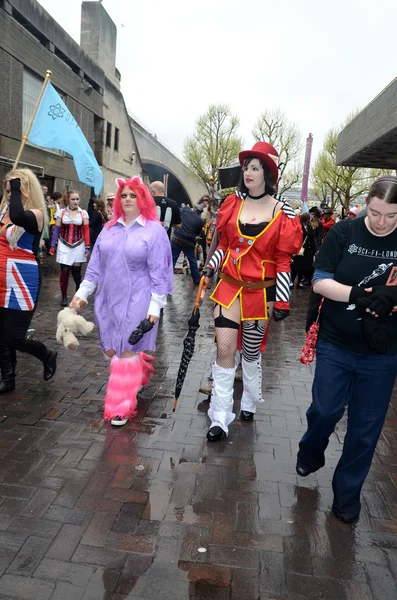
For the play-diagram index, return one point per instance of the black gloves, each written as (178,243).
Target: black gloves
(208,272)
(15,184)
(279,314)
(356,293)
(380,301)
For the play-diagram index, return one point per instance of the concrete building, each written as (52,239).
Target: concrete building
(30,43)
(370,139)
(120,154)
(85,76)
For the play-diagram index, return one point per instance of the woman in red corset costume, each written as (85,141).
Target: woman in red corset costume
(258,236)
(72,233)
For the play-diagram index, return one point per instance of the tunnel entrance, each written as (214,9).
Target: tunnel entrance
(176,191)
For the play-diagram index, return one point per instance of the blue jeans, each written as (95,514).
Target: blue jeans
(364,383)
(190,255)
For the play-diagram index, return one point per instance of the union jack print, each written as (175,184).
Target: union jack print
(21,284)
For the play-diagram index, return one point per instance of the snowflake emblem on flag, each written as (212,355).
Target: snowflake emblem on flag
(352,249)
(56,111)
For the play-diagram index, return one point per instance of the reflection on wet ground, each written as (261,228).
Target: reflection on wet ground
(151,511)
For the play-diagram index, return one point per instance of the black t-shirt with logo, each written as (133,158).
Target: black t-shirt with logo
(355,257)
(168,213)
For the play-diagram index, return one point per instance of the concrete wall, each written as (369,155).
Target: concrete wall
(40,22)
(31,40)
(118,163)
(152,151)
(370,139)
(21,50)
(98,38)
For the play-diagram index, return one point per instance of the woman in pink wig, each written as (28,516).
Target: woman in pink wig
(131,270)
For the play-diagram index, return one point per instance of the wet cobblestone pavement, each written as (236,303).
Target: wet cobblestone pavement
(91,512)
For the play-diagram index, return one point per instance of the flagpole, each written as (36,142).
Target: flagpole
(32,118)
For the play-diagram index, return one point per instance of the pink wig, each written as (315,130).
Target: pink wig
(146,204)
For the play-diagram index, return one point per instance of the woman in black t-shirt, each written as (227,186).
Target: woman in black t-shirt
(357,349)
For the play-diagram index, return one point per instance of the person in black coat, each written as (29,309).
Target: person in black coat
(302,264)
(97,215)
(317,226)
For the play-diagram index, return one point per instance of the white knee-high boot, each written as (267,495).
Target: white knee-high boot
(221,407)
(252,384)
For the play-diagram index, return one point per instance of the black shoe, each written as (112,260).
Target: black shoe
(246,415)
(215,434)
(8,364)
(347,520)
(7,385)
(303,471)
(64,301)
(50,364)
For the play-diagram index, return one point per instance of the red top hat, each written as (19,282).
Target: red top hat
(266,153)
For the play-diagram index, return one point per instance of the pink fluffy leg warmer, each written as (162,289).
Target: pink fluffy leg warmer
(125,379)
(147,367)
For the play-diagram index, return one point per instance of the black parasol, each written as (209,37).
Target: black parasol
(189,343)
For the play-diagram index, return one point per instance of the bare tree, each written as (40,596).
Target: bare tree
(215,142)
(274,127)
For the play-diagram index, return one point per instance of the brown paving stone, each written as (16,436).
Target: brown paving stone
(205,573)
(240,499)
(9,509)
(221,531)
(39,504)
(357,591)
(102,584)
(67,591)
(73,516)
(59,570)
(29,556)
(103,557)
(108,506)
(272,577)
(381,581)
(130,542)
(38,527)
(245,558)
(304,586)
(25,588)
(245,584)
(66,542)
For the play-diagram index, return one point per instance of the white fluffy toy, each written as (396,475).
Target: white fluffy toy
(69,324)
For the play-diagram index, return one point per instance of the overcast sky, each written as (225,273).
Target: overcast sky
(316,60)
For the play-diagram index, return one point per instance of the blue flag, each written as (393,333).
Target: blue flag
(305,207)
(55,127)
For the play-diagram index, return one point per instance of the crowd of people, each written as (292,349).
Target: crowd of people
(254,246)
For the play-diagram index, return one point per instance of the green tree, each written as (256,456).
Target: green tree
(274,127)
(215,142)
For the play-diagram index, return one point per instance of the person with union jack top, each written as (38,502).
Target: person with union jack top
(23,215)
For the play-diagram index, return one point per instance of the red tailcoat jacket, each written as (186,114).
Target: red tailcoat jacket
(265,256)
